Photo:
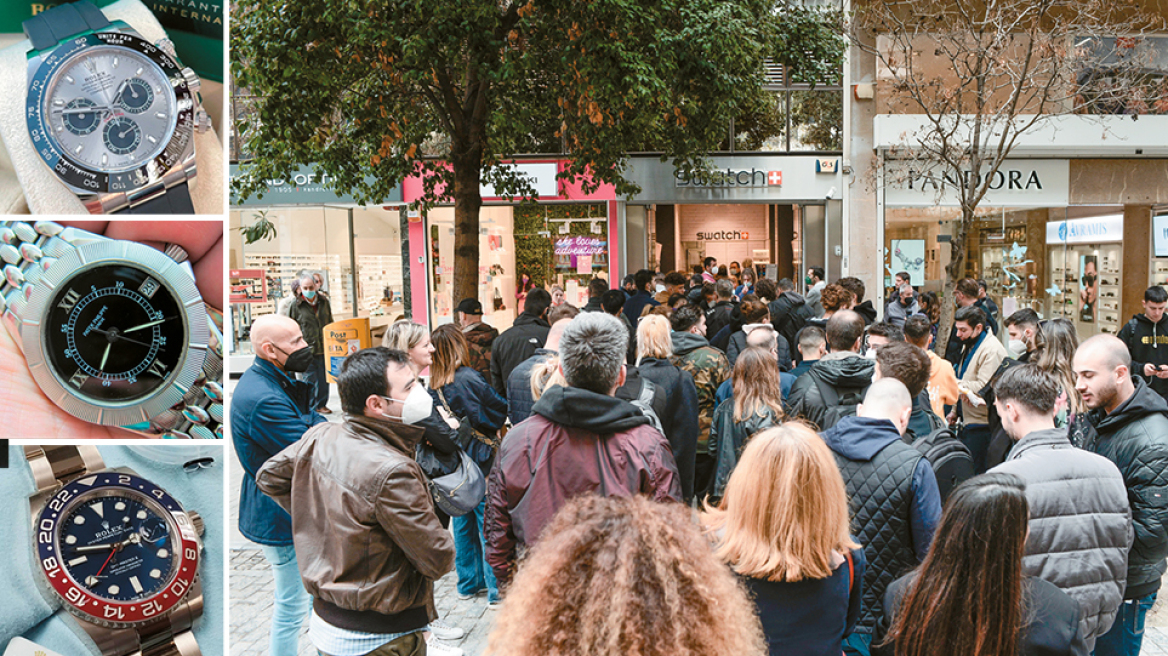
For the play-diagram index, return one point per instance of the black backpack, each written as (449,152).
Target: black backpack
(952,463)
(836,405)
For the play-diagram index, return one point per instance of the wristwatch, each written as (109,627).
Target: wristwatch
(120,553)
(112,115)
(114,332)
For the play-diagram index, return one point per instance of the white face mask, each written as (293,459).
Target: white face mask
(714,270)
(870,354)
(415,407)
(660,288)
(1017,346)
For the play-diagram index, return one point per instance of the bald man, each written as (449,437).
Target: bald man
(1132,425)
(896,504)
(269,411)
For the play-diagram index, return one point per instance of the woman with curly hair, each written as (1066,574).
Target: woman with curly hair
(783,527)
(625,576)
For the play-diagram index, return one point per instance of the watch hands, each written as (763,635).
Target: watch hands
(106,356)
(147,325)
(116,546)
(117,336)
(107,562)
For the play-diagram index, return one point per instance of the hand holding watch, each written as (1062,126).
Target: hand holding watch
(112,115)
(115,333)
(120,554)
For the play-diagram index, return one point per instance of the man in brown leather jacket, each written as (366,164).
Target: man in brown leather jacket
(579,439)
(367,540)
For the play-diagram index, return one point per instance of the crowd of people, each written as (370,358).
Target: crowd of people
(713,463)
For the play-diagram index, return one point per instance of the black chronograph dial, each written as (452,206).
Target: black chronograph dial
(115,333)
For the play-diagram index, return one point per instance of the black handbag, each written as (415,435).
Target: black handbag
(457,492)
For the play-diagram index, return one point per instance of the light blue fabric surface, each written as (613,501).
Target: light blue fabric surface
(25,607)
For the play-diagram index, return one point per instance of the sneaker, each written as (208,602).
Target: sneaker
(465,597)
(435,648)
(444,631)
(495,605)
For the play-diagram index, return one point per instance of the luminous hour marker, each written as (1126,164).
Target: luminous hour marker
(155,574)
(113,589)
(78,520)
(104,159)
(163,553)
(151,138)
(115,62)
(160,115)
(138,72)
(59,103)
(97,508)
(60,127)
(78,560)
(135,584)
(69,539)
(78,149)
(69,79)
(121,505)
(141,514)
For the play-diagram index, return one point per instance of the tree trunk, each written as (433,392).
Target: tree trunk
(467,202)
(954,272)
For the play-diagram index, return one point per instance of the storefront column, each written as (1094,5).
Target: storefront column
(616,253)
(1137,258)
(417,265)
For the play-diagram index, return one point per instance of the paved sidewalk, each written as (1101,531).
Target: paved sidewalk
(251,592)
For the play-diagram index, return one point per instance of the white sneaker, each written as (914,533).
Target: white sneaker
(444,631)
(438,649)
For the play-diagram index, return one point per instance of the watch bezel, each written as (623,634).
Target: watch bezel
(173,276)
(88,180)
(81,602)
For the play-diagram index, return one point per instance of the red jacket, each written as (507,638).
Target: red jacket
(596,443)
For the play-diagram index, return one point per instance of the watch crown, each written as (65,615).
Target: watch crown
(202,121)
(167,46)
(176,253)
(192,79)
(197,521)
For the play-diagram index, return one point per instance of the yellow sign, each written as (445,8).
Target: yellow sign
(342,339)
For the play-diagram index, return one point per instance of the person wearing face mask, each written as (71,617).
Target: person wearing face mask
(270,411)
(981,354)
(369,543)
(1022,327)
(313,312)
(710,269)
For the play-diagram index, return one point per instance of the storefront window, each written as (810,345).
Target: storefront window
(318,240)
(1061,262)
(496,266)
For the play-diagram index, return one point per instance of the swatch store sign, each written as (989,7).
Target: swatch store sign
(729,178)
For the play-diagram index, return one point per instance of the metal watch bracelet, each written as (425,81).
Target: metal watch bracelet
(55,465)
(28,249)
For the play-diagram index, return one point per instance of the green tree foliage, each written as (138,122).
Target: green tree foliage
(373,91)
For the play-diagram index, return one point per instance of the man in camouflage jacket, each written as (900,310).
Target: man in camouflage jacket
(709,368)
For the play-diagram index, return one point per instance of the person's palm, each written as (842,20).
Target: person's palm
(27,412)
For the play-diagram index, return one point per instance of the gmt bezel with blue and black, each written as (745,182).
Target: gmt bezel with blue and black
(116,548)
(121,143)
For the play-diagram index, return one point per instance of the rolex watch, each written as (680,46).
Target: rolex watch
(120,553)
(114,332)
(112,115)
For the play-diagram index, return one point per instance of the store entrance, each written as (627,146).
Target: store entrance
(789,237)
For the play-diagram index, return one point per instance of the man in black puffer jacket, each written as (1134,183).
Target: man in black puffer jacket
(519,342)
(1131,422)
(835,384)
(789,312)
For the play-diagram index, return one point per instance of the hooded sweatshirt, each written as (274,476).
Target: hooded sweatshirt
(844,372)
(1148,344)
(576,442)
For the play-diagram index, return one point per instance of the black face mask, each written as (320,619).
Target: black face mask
(298,361)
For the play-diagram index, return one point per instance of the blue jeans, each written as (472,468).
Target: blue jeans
(470,554)
(315,376)
(292,601)
(1127,634)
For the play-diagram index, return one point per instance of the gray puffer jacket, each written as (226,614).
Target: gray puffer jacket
(1080,524)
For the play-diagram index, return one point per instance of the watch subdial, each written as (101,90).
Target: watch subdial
(122,135)
(79,119)
(136,97)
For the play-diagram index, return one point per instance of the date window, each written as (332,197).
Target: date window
(148,288)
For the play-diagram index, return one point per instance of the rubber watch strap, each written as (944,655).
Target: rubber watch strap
(49,28)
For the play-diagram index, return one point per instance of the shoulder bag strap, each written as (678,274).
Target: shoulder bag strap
(851,571)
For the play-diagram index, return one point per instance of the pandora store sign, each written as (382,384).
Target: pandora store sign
(1017,183)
